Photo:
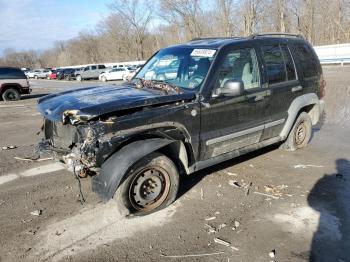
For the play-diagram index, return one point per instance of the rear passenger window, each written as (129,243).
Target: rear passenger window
(11,73)
(275,67)
(308,61)
(291,75)
(93,67)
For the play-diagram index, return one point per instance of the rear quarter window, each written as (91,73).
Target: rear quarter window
(307,60)
(11,73)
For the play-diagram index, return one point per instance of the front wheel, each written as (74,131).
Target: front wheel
(300,134)
(78,78)
(150,185)
(11,95)
(35,77)
(104,79)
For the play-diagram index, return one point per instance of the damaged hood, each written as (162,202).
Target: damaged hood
(90,102)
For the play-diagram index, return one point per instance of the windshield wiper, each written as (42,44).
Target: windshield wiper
(161,85)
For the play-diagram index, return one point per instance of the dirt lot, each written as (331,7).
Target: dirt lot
(295,203)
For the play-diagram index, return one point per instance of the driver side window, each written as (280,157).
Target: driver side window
(240,64)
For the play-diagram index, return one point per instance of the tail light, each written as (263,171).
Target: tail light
(322,87)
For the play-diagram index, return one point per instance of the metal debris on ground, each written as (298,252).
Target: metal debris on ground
(222,242)
(234,183)
(272,253)
(305,166)
(210,218)
(8,147)
(211,230)
(202,194)
(236,223)
(33,159)
(267,195)
(37,212)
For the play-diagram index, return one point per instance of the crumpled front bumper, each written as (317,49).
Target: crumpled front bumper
(70,158)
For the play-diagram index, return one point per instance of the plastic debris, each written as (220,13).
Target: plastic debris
(272,253)
(210,218)
(36,212)
(8,147)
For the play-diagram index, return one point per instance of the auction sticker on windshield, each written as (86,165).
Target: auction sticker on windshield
(203,52)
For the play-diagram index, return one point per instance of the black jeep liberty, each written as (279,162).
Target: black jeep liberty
(191,106)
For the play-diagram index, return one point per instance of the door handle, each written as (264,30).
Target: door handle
(297,88)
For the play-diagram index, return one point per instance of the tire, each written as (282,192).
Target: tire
(11,95)
(78,78)
(155,177)
(103,79)
(35,77)
(300,134)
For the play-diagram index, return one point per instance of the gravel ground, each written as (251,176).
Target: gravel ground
(295,204)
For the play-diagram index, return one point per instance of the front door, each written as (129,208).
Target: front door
(230,123)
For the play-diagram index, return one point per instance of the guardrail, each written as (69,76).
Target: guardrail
(333,54)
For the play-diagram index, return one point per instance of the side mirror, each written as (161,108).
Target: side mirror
(232,87)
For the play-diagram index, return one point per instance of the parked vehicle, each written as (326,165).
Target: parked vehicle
(38,73)
(132,74)
(13,83)
(90,72)
(230,96)
(118,73)
(52,74)
(67,74)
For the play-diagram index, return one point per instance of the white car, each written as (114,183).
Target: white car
(38,73)
(119,73)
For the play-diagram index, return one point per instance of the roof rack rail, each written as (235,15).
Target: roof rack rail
(254,36)
(215,38)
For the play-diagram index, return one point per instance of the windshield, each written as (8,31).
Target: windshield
(178,66)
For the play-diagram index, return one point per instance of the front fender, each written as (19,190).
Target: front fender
(114,168)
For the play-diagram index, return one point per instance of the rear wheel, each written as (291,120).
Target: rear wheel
(35,77)
(300,134)
(11,95)
(104,79)
(151,184)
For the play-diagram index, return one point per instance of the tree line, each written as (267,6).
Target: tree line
(135,29)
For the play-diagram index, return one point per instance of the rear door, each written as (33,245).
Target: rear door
(282,85)
(230,123)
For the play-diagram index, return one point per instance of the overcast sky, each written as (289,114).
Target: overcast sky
(33,24)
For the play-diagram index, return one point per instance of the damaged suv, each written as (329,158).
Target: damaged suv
(226,97)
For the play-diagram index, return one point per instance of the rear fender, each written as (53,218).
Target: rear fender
(114,168)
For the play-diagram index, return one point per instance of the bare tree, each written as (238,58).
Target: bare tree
(139,14)
(186,14)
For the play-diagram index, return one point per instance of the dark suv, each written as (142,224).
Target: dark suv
(229,96)
(13,83)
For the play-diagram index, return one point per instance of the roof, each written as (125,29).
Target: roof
(213,43)
(218,42)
